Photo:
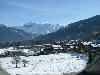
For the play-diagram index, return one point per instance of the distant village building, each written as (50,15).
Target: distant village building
(24,47)
(49,49)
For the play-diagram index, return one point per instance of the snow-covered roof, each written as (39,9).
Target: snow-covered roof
(58,48)
(26,50)
(46,44)
(94,45)
(24,46)
(56,45)
(71,46)
(7,49)
(37,45)
(87,43)
(2,51)
(99,45)
(12,50)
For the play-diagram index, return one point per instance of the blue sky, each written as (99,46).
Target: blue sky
(19,12)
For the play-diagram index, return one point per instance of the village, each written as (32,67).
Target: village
(40,57)
(46,49)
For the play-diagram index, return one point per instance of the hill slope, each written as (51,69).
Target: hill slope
(83,29)
(10,34)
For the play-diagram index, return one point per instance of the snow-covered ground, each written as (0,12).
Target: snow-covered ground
(43,64)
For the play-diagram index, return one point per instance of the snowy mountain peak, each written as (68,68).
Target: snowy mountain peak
(5,25)
(43,28)
(46,23)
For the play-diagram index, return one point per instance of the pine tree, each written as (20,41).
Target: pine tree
(90,53)
(80,47)
(16,60)
(24,62)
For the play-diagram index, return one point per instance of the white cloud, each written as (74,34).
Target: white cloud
(27,6)
(19,4)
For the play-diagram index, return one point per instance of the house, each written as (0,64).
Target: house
(37,47)
(24,47)
(49,49)
(57,48)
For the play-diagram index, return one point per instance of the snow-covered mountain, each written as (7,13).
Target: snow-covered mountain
(43,28)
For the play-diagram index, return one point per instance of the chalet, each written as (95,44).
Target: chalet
(95,45)
(57,48)
(37,47)
(87,43)
(68,46)
(49,49)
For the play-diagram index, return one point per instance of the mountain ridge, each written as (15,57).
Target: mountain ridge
(11,34)
(83,29)
(42,29)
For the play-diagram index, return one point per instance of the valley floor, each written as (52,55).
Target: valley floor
(47,64)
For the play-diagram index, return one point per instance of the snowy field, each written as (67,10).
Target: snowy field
(47,64)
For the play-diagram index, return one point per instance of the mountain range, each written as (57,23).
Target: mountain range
(83,29)
(39,29)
